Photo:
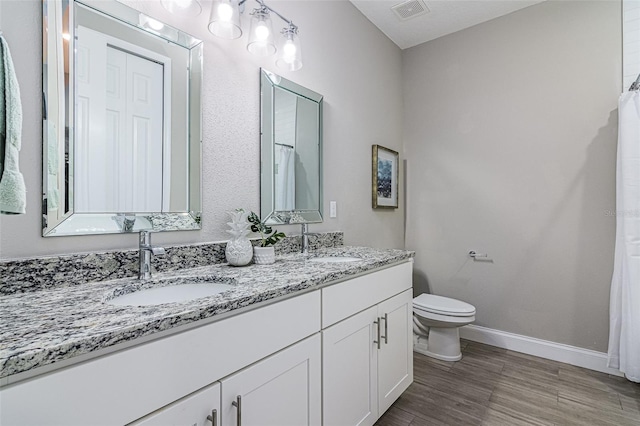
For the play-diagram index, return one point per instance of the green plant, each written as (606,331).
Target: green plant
(268,235)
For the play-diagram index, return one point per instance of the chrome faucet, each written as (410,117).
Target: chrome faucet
(305,238)
(146,250)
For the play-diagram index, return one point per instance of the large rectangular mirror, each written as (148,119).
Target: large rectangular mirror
(121,121)
(291,151)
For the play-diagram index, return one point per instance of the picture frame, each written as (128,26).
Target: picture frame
(384,177)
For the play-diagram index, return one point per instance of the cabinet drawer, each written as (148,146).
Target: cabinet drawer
(137,381)
(344,299)
(191,410)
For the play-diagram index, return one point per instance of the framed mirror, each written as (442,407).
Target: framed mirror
(121,121)
(291,151)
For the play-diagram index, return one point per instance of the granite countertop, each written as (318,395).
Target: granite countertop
(44,327)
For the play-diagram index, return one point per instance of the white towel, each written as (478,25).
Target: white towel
(12,189)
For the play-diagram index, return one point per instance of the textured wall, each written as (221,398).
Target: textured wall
(510,131)
(346,58)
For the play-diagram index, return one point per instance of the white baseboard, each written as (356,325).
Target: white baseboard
(573,355)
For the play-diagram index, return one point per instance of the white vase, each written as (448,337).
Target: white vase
(239,251)
(264,255)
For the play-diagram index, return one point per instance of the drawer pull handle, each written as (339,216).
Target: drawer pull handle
(377,323)
(213,417)
(386,328)
(238,405)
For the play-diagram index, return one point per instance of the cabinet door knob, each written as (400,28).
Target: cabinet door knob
(386,328)
(377,323)
(213,417)
(238,404)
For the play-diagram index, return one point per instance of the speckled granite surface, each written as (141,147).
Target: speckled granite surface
(39,328)
(21,276)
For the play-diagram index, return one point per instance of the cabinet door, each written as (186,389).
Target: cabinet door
(395,357)
(281,390)
(349,359)
(191,410)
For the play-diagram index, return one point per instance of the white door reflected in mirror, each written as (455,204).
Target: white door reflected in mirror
(121,128)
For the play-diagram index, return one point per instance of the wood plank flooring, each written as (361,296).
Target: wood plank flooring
(494,386)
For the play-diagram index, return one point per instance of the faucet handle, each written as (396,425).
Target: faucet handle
(145,244)
(157,251)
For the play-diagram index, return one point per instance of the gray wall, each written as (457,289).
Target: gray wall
(510,131)
(346,66)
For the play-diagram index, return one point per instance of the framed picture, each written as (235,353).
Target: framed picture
(384,175)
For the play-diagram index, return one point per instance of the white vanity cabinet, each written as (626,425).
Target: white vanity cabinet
(367,354)
(309,359)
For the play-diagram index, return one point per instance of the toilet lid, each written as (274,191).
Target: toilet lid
(443,305)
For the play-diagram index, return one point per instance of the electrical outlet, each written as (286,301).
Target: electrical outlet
(333,209)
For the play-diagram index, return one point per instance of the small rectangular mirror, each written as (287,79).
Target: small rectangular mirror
(291,151)
(122,121)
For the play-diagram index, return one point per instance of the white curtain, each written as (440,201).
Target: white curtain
(285,178)
(624,311)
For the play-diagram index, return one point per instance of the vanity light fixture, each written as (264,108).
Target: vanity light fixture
(225,23)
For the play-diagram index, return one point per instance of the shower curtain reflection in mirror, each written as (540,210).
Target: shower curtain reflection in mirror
(285,177)
(285,128)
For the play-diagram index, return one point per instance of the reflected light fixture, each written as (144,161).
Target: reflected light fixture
(182,7)
(150,23)
(225,23)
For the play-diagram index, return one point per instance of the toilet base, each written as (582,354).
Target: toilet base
(442,344)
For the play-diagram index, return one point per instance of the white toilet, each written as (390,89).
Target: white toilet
(439,318)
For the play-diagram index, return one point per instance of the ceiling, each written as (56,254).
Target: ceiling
(444,17)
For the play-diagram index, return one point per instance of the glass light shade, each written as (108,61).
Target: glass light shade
(289,52)
(182,7)
(261,35)
(225,19)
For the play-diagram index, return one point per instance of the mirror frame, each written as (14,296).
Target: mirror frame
(269,82)
(54,26)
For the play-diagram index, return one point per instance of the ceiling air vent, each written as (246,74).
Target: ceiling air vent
(410,9)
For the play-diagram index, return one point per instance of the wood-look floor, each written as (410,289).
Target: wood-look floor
(494,386)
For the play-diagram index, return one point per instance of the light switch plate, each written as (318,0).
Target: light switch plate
(333,209)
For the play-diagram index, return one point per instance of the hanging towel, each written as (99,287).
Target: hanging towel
(12,189)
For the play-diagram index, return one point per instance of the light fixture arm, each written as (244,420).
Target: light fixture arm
(264,6)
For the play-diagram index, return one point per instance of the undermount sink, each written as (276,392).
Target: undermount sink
(334,259)
(174,290)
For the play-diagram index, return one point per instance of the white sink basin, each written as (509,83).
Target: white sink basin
(334,259)
(169,294)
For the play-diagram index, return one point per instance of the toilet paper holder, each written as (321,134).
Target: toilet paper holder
(474,255)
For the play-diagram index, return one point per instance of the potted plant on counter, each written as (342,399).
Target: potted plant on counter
(265,253)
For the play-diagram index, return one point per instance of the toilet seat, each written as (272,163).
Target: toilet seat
(443,306)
